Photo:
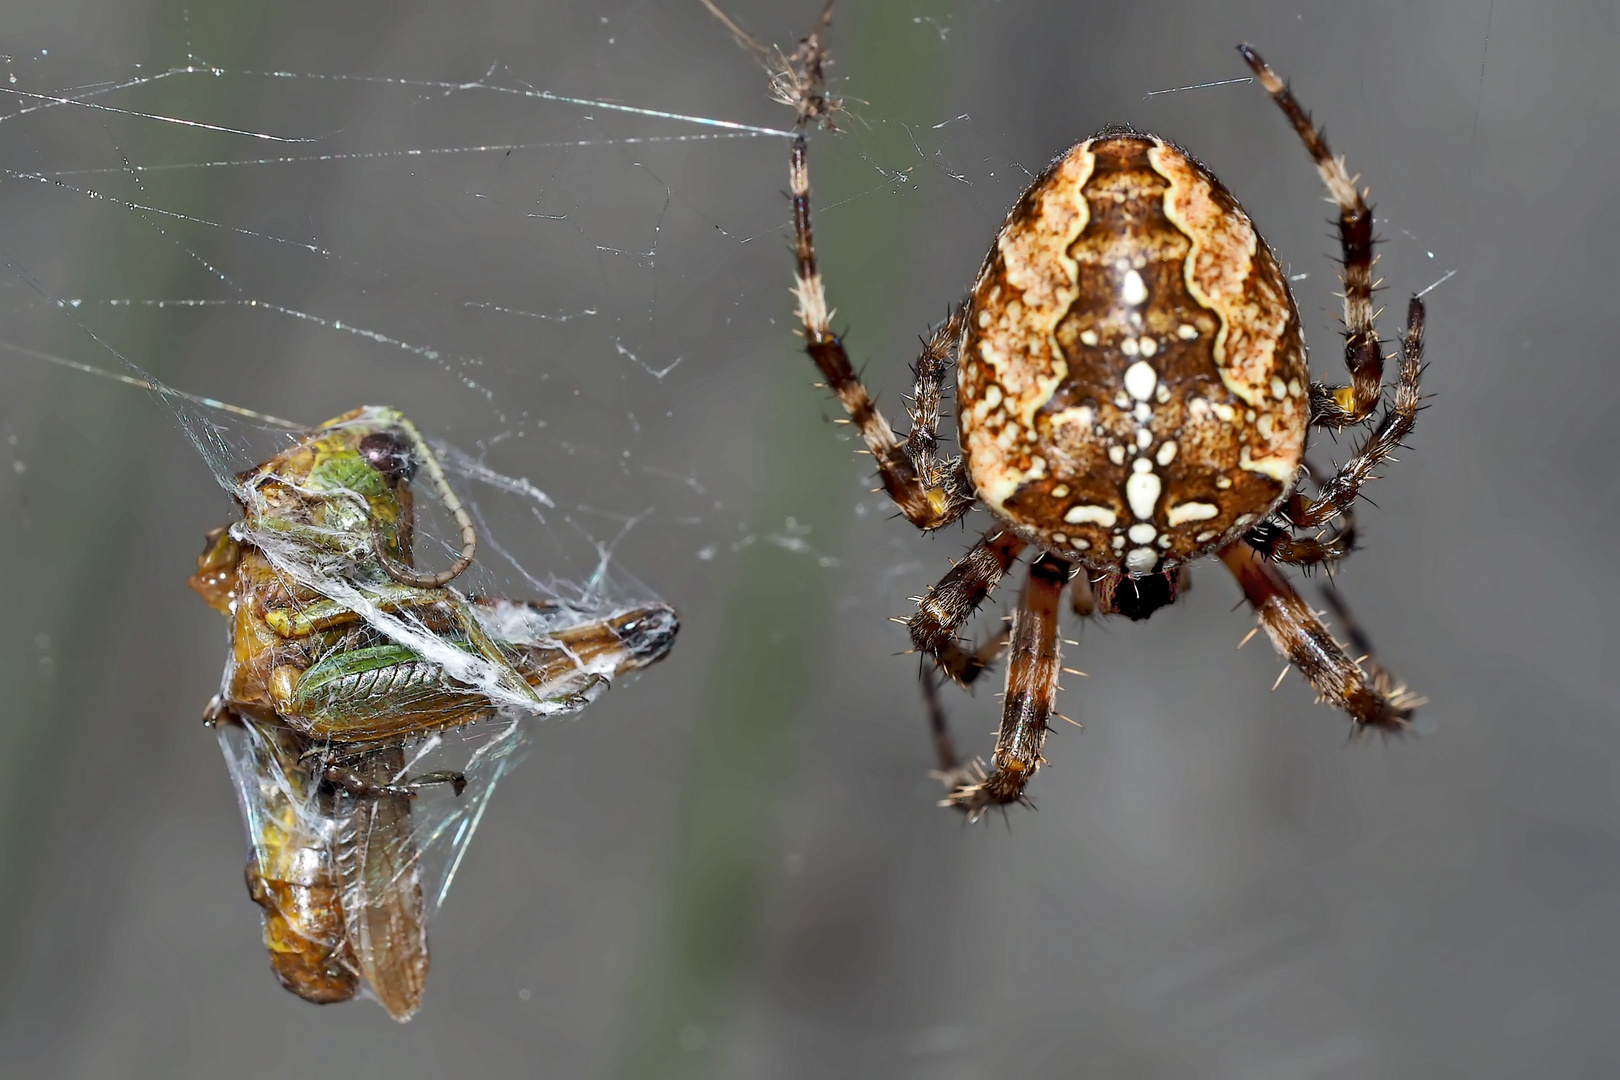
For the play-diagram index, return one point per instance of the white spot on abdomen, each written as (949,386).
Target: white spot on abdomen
(1132,291)
(1142,492)
(1191,511)
(1140,379)
(1142,532)
(1080,512)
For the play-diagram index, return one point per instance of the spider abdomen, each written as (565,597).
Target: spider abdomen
(1132,389)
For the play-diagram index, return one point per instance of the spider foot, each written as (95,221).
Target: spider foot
(1386,706)
(973,790)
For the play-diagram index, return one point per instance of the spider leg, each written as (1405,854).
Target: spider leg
(1337,406)
(949,767)
(1032,675)
(964,666)
(1352,629)
(940,614)
(922,444)
(1369,695)
(929,493)
(954,599)
(1281,546)
(1396,423)
(1276,541)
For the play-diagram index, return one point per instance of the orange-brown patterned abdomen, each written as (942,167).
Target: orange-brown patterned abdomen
(1132,390)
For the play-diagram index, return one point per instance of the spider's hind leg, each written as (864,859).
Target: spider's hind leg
(1371,697)
(1360,644)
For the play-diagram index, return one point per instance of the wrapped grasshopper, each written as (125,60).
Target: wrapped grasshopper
(347,664)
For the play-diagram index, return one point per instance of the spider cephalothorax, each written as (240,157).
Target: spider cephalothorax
(1132,395)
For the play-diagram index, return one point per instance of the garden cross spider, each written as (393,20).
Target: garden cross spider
(1132,394)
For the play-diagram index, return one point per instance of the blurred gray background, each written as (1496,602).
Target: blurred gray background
(734,866)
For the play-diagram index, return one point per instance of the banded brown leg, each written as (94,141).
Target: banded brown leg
(954,599)
(1397,422)
(940,614)
(965,667)
(1336,406)
(1032,675)
(931,494)
(1372,699)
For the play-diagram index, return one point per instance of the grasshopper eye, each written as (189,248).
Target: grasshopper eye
(388,455)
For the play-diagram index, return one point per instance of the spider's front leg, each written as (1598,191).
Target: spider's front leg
(1032,675)
(929,493)
(1337,406)
(1372,698)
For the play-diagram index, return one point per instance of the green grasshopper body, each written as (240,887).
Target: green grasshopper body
(342,655)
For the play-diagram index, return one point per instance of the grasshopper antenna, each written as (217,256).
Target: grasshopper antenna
(469,536)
